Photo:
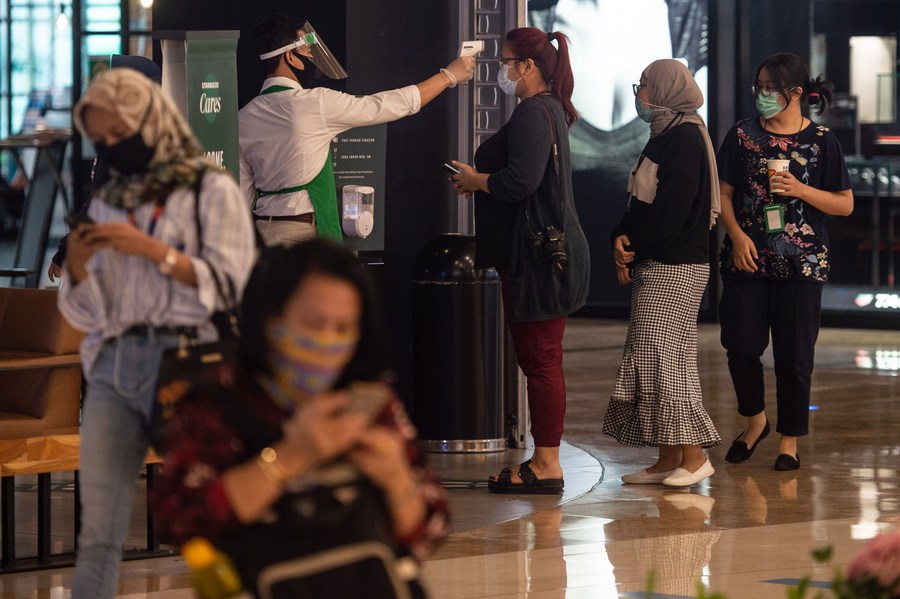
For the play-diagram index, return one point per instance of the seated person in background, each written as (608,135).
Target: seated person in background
(278,461)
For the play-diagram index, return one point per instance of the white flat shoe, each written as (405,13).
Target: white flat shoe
(646,478)
(681,477)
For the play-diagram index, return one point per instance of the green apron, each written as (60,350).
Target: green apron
(322,193)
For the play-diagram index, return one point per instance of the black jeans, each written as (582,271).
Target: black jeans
(749,309)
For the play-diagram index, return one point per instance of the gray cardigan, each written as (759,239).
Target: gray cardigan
(529,191)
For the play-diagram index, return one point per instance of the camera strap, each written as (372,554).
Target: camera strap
(554,152)
(553,146)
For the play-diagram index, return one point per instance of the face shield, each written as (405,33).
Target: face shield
(321,57)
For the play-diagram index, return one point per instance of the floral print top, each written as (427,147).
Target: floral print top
(801,250)
(227,422)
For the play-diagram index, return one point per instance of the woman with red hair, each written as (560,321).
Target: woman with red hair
(527,228)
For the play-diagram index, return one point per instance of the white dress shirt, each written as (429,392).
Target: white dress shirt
(286,136)
(124,290)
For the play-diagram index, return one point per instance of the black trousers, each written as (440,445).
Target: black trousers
(749,309)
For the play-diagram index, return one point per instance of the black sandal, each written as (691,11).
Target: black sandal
(530,484)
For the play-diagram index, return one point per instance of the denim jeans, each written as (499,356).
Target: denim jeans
(115,428)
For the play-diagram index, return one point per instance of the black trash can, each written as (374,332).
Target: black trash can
(457,336)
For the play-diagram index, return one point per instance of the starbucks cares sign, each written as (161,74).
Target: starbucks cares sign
(210,101)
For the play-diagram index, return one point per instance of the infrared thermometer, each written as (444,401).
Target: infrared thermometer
(471,48)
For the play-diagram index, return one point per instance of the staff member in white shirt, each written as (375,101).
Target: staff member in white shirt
(286,133)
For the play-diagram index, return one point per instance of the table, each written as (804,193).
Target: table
(39,140)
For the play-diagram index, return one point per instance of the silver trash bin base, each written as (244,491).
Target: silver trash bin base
(464,445)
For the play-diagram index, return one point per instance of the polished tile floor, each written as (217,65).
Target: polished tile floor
(747,532)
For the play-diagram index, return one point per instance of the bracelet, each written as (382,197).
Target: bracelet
(271,467)
(450,76)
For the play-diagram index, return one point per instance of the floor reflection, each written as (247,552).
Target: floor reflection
(745,532)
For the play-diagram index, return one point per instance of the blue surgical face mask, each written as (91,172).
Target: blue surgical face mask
(644,113)
(768,106)
(508,87)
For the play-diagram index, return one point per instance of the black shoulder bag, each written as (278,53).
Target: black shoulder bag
(192,362)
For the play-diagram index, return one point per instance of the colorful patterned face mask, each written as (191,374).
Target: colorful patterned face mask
(306,364)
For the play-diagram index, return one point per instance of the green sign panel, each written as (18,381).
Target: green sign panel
(211,90)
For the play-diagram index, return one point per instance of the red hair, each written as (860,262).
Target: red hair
(533,43)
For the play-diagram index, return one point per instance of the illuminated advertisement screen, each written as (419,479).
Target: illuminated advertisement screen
(612,41)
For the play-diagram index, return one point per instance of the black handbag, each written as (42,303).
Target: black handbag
(192,362)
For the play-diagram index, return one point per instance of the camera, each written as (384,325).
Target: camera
(550,244)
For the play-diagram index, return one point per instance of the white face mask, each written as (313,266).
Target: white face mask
(508,87)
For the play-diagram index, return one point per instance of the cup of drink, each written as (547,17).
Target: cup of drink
(773,166)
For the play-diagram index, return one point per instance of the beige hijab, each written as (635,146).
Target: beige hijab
(141,105)
(675,97)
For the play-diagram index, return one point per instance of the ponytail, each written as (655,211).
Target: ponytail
(562,82)
(531,42)
(820,94)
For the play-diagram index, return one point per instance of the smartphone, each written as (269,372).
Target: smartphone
(81,218)
(450,168)
(368,398)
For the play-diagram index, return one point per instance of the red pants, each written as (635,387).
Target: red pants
(539,352)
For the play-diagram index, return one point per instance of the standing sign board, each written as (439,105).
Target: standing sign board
(359,159)
(200,74)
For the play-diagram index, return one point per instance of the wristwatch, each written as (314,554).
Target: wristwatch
(168,262)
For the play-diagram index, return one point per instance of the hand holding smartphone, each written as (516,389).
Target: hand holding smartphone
(368,398)
(450,168)
(76,220)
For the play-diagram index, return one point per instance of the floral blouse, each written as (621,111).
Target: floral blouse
(219,426)
(801,250)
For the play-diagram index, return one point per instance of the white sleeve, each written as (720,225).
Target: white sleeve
(82,304)
(228,242)
(342,111)
(247,183)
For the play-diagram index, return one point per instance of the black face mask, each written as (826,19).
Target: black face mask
(300,74)
(128,157)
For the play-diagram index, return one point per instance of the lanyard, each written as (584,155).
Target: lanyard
(158,209)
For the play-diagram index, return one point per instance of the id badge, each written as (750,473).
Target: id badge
(774,218)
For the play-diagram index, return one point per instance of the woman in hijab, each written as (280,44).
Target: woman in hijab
(100,171)
(661,247)
(139,273)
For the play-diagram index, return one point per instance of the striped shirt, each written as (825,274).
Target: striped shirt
(121,290)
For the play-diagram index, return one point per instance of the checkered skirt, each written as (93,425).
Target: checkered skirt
(657,398)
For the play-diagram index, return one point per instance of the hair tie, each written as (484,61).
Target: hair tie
(550,37)
(813,95)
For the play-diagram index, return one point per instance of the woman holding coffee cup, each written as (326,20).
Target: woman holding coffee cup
(776,254)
